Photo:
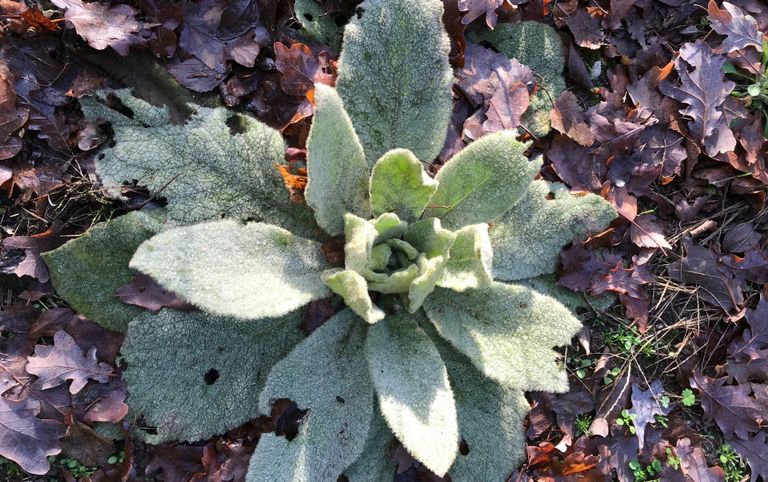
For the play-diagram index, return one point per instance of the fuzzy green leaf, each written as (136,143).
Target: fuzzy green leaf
(320,26)
(547,285)
(395,78)
(483,181)
(396,282)
(471,260)
(508,331)
(399,185)
(376,463)
(528,239)
(430,272)
(538,46)
(218,164)
(389,226)
(336,166)
(247,271)
(490,422)
(351,286)
(322,375)
(194,375)
(359,236)
(88,270)
(413,390)
(429,237)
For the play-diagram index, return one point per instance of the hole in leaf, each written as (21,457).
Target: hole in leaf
(211,376)
(309,17)
(115,103)
(342,478)
(236,125)
(287,418)
(359,12)
(550,196)
(112,143)
(463,447)
(341,20)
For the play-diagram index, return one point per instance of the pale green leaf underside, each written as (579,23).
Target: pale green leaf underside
(325,375)
(471,260)
(508,331)
(393,106)
(490,422)
(483,181)
(413,390)
(205,168)
(170,354)
(538,46)
(351,286)
(359,236)
(247,271)
(376,463)
(88,270)
(336,167)
(399,185)
(528,239)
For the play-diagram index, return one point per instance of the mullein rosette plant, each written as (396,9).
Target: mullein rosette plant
(444,326)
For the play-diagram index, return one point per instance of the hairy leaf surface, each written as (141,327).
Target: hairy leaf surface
(483,181)
(508,331)
(325,375)
(527,240)
(399,185)
(87,271)
(376,463)
(413,390)
(471,259)
(392,106)
(217,164)
(491,420)
(247,271)
(193,375)
(336,167)
(351,286)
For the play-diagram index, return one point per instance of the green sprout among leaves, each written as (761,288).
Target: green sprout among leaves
(443,330)
(753,88)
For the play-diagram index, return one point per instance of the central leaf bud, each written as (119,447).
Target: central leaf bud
(386,255)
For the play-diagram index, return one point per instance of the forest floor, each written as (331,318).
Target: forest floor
(665,115)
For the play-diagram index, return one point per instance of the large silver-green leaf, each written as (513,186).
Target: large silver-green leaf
(325,375)
(538,46)
(471,260)
(483,181)
(376,463)
(88,270)
(248,271)
(218,164)
(336,166)
(359,236)
(490,422)
(547,285)
(193,375)
(413,390)
(399,185)
(395,78)
(528,239)
(508,331)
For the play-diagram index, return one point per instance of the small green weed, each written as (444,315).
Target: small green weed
(734,467)
(648,473)
(583,423)
(688,397)
(752,88)
(74,466)
(627,420)
(627,340)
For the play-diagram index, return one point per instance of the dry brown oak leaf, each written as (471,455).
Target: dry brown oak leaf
(28,440)
(63,361)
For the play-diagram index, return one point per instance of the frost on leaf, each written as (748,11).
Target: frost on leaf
(537,46)
(491,420)
(65,361)
(336,167)
(87,271)
(527,240)
(28,440)
(397,91)
(247,271)
(413,390)
(508,331)
(399,185)
(325,375)
(217,164)
(483,181)
(193,375)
